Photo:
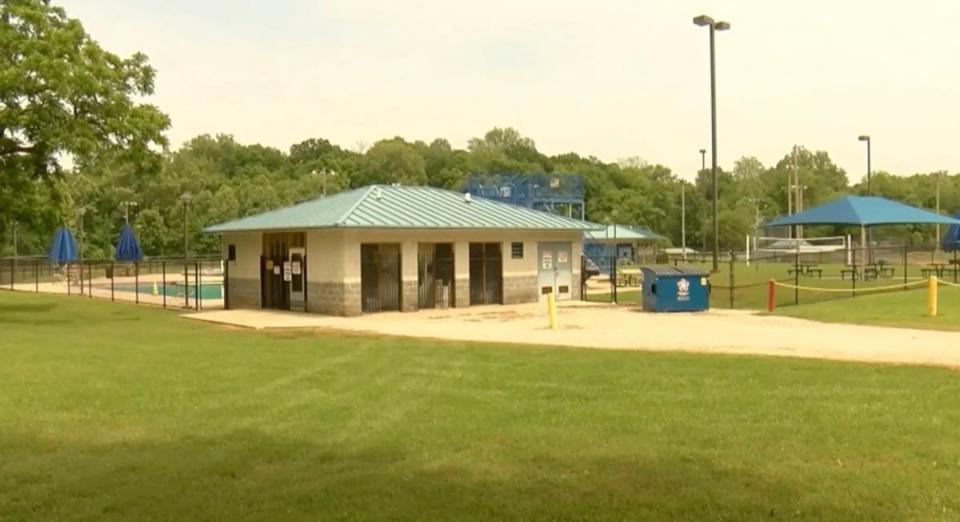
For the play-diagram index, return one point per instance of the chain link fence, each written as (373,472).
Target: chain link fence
(805,276)
(194,284)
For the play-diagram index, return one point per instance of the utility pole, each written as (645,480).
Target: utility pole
(126,210)
(683,221)
(939,176)
(185,198)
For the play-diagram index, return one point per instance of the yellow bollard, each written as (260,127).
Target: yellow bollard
(552,310)
(932,296)
(156,291)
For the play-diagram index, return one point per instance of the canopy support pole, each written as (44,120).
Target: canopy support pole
(863,245)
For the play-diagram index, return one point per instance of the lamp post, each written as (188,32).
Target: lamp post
(706,21)
(126,210)
(185,199)
(80,213)
(683,221)
(324,172)
(869,170)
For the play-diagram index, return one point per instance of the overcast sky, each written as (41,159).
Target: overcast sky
(610,78)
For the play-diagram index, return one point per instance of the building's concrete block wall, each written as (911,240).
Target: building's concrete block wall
(243,285)
(333,265)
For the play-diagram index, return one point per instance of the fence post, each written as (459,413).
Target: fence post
(613,280)
(186,284)
(36,276)
(853,276)
(113,278)
(200,285)
(163,278)
(796,276)
(13,272)
(771,295)
(136,281)
(932,296)
(90,282)
(196,289)
(904,265)
(68,278)
(732,280)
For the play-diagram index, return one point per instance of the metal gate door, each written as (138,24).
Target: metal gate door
(435,286)
(555,271)
(486,273)
(380,277)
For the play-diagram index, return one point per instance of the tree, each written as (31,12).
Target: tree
(63,96)
(393,161)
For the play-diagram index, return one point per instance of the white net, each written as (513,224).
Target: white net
(806,245)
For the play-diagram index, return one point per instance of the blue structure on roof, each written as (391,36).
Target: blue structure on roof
(127,247)
(556,192)
(63,249)
(864,211)
(951,240)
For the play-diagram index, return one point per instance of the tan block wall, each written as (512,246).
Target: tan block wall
(243,287)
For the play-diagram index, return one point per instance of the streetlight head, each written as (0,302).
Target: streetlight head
(703,20)
(864,138)
(703,151)
(186,197)
(721,26)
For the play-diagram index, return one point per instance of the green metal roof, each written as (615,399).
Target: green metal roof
(386,206)
(621,232)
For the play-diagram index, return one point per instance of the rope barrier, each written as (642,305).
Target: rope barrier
(848,290)
(948,283)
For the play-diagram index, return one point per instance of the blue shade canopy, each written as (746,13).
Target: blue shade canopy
(63,249)
(951,240)
(127,247)
(864,211)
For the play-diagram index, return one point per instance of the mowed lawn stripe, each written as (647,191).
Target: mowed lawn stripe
(117,412)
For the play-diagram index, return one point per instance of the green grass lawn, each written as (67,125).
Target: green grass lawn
(117,412)
(907,309)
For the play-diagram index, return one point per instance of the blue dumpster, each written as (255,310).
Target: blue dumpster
(674,289)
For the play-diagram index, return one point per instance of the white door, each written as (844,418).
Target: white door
(555,269)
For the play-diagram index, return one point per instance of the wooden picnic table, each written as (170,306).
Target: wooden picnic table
(935,267)
(807,269)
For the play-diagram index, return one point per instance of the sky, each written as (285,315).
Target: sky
(607,78)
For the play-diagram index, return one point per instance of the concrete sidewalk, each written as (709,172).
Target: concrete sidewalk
(611,327)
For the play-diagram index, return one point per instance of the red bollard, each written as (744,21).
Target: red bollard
(771,295)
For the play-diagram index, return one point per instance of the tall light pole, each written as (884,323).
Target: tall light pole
(324,172)
(126,210)
(185,199)
(683,220)
(869,169)
(706,21)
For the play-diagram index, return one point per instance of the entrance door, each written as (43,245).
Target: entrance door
(486,274)
(435,286)
(380,277)
(555,271)
(276,270)
(298,279)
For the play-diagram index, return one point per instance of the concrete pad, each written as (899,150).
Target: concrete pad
(626,328)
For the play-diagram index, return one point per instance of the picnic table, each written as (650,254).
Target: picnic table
(936,267)
(878,270)
(807,269)
(629,277)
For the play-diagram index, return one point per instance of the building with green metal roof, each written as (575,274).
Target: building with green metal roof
(399,248)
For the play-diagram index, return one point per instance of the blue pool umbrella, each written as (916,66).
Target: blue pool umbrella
(951,240)
(127,248)
(63,249)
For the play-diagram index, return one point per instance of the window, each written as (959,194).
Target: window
(516,250)
(231,252)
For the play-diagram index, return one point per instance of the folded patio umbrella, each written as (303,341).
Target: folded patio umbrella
(127,247)
(63,249)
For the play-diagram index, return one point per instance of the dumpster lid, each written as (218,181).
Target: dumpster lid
(669,270)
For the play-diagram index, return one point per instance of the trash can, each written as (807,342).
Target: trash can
(674,289)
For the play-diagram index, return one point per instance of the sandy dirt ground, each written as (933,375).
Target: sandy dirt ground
(626,328)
